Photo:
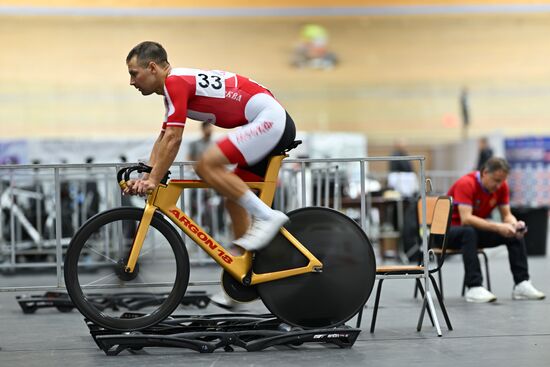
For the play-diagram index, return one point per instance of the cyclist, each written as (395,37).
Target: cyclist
(226,100)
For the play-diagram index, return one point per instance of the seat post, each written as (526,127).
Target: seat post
(267,193)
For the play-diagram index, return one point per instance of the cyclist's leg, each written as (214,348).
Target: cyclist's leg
(239,215)
(249,146)
(212,169)
(240,220)
(270,132)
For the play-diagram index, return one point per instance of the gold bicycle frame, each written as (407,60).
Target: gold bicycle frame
(164,198)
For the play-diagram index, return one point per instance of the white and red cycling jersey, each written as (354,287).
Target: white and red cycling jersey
(229,100)
(214,96)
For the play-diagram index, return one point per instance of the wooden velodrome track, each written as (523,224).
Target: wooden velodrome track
(398,75)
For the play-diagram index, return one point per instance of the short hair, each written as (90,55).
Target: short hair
(494,164)
(148,51)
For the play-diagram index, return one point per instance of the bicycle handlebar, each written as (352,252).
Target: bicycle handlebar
(123,174)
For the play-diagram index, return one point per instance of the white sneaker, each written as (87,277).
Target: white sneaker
(479,295)
(261,232)
(525,290)
(221,299)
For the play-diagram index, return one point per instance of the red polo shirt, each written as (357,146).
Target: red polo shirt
(468,190)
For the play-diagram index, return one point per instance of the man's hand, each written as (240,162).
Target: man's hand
(141,187)
(521,229)
(506,229)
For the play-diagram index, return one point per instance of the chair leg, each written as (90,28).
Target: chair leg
(486,270)
(360,316)
(463,285)
(441,304)
(422,311)
(421,289)
(415,294)
(440,275)
(376,302)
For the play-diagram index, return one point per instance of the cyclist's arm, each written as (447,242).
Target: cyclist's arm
(154,154)
(177,92)
(164,153)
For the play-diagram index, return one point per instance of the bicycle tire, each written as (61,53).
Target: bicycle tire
(75,258)
(328,298)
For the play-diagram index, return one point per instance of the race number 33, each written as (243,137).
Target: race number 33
(210,84)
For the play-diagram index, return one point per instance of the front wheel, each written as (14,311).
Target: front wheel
(94,269)
(324,299)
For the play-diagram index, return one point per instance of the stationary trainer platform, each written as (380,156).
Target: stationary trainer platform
(208,333)
(131,301)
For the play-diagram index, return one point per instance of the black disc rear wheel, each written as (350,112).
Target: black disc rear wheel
(100,287)
(328,298)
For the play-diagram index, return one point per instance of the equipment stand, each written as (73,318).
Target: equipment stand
(131,301)
(207,333)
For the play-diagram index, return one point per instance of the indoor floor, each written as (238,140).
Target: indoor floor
(504,333)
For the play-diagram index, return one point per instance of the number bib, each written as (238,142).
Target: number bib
(210,84)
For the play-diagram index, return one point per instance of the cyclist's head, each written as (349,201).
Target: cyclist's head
(148,67)
(147,52)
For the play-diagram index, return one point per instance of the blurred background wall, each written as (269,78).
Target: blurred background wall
(406,71)
(402,65)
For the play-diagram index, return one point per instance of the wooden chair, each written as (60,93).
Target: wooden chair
(438,252)
(441,208)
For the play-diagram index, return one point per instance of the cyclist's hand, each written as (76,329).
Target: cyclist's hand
(140,187)
(144,187)
(129,189)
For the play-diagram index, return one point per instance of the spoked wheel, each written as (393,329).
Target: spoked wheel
(328,298)
(94,269)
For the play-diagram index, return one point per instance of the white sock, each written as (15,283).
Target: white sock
(254,206)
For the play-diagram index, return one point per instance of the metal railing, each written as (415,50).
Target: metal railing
(58,196)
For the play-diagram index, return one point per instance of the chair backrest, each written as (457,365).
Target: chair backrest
(430,206)
(438,220)
(441,221)
(441,218)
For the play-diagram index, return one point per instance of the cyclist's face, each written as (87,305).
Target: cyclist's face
(142,78)
(491,181)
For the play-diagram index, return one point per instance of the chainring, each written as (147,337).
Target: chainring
(238,291)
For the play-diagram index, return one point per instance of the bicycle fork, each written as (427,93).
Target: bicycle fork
(139,237)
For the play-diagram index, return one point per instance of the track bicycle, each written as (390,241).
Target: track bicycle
(317,272)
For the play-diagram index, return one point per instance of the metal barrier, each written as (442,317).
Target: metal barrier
(42,206)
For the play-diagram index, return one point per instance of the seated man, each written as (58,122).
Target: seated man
(475,195)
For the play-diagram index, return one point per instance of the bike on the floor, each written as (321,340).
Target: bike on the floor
(317,272)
